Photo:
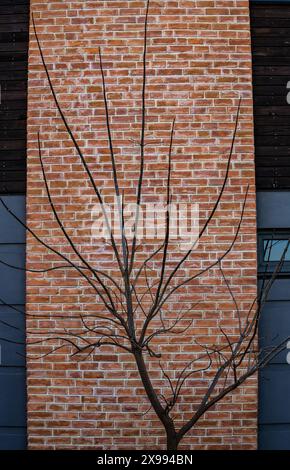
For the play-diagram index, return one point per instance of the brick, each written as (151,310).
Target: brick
(199,63)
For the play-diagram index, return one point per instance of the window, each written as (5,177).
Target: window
(274,247)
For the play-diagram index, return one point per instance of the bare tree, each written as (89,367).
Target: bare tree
(133,319)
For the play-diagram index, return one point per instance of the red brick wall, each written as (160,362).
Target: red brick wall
(199,63)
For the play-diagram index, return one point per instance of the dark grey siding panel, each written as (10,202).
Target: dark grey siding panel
(12,438)
(12,326)
(14,32)
(12,385)
(280,291)
(273,209)
(270,33)
(274,395)
(11,231)
(275,437)
(274,380)
(12,286)
(275,328)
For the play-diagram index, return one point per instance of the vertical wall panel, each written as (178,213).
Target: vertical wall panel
(14,20)
(270,27)
(13,82)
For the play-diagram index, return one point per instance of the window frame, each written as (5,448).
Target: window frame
(268,267)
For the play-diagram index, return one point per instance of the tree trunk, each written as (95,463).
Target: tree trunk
(172,442)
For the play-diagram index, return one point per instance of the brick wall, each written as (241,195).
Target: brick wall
(199,63)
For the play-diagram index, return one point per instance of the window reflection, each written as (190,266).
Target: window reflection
(274,249)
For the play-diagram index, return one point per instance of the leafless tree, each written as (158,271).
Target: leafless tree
(130,323)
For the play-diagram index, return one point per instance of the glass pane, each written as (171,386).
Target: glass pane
(274,249)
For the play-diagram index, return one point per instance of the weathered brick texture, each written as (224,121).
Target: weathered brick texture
(199,64)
